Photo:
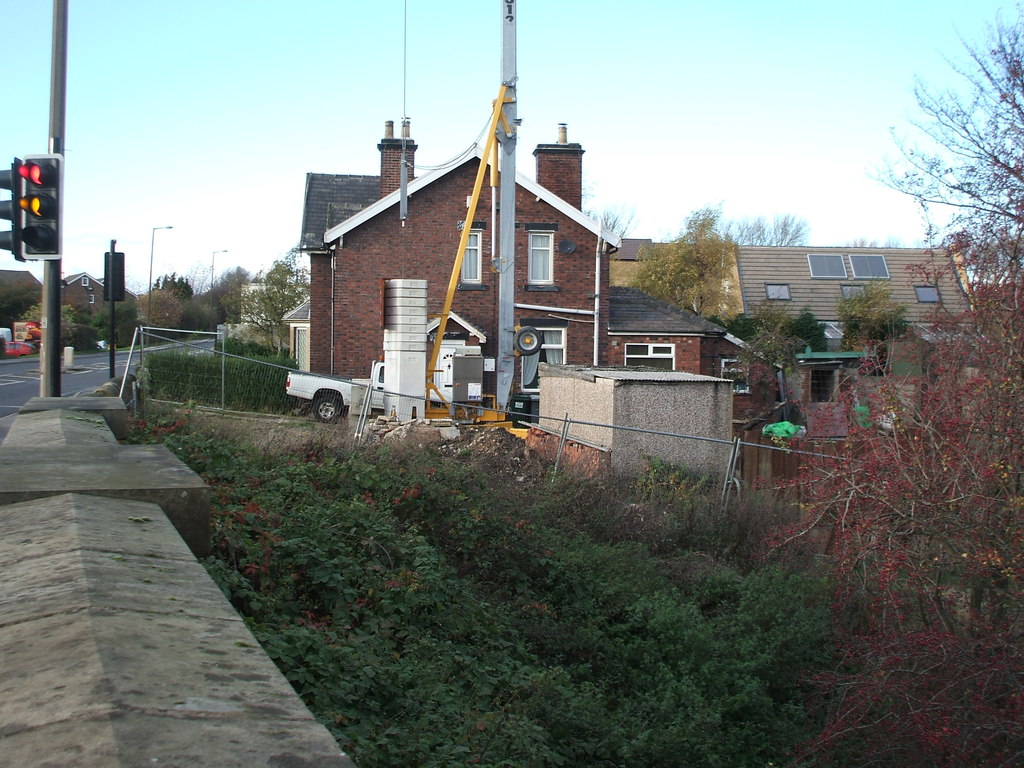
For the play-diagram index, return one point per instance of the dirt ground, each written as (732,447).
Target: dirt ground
(491,449)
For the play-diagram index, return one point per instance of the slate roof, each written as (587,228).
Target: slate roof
(330,199)
(630,249)
(298,315)
(633,311)
(19,277)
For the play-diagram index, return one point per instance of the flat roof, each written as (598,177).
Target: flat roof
(622,373)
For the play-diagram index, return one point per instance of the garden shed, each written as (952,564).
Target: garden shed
(696,411)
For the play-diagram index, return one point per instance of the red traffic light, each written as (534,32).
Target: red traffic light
(40,174)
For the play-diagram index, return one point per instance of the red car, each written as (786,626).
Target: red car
(18,349)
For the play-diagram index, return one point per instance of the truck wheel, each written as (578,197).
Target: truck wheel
(327,408)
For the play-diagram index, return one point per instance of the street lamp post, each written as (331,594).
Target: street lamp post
(149,296)
(212,259)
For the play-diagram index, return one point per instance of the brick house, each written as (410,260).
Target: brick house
(84,292)
(355,238)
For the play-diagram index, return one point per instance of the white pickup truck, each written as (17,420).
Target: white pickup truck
(330,396)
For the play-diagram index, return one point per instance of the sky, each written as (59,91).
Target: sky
(206,115)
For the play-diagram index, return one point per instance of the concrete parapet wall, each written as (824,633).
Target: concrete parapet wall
(112,409)
(141,472)
(44,429)
(118,649)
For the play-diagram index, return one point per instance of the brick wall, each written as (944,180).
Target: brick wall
(391,163)
(320,313)
(560,170)
(687,350)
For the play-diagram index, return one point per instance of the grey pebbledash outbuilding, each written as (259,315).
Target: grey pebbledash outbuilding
(686,418)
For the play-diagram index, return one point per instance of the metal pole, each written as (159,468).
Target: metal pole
(113,304)
(149,294)
(506,134)
(213,317)
(49,375)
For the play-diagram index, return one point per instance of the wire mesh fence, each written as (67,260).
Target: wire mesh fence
(190,366)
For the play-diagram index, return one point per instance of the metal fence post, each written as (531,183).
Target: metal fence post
(561,442)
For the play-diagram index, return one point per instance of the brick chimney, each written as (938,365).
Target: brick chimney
(560,168)
(391,157)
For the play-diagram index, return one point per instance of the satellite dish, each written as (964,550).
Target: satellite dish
(566,246)
(526,341)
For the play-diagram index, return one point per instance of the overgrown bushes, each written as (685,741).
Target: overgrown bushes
(434,616)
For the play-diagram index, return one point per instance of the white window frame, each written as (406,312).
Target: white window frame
(870,273)
(541,268)
(550,347)
(933,289)
(471,260)
(777,288)
(631,354)
(831,257)
(92,298)
(85,281)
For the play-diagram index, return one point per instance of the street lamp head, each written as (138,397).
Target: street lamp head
(149,295)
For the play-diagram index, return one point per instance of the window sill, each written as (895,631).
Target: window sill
(542,288)
(471,287)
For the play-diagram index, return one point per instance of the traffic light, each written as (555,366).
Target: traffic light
(40,207)
(11,210)
(113,276)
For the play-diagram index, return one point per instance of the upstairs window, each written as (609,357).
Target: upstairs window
(541,257)
(777,292)
(85,282)
(827,265)
(849,291)
(870,266)
(927,294)
(471,259)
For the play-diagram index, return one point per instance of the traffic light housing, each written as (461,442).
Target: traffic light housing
(11,210)
(40,202)
(113,276)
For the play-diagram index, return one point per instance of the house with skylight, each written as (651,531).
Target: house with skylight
(817,278)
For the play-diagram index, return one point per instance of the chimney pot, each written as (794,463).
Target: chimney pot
(405,127)
(389,129)
(563,134)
